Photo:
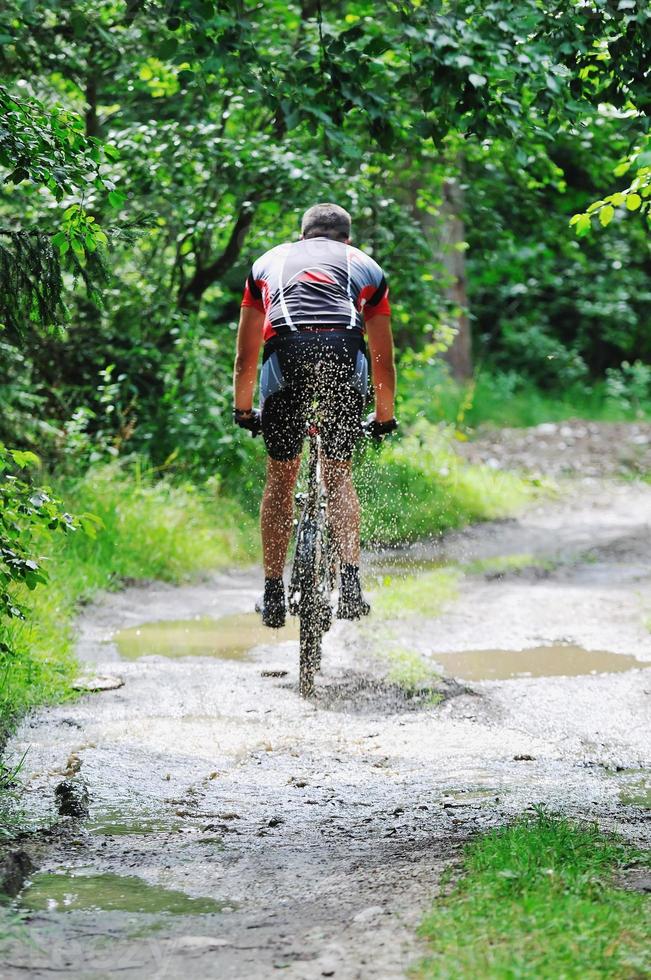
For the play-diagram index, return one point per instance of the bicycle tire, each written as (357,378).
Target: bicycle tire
(310,628)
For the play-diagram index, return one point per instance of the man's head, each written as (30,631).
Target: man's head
(326,221)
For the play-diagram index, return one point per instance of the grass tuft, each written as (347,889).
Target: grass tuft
(503,564)
(411,671)
(537,899)
(426,594)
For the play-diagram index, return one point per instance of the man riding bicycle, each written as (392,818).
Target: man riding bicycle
(312,302)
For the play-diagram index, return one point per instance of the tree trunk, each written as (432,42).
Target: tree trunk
(459,354)
(92,122)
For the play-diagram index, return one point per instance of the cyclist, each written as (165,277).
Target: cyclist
(311,302)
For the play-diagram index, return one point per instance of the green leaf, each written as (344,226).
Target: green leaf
(79,23)
(23,458)
(633,201)
(477,80)
(116,199)
(606,215)
(167,48)
(18,175)
(583,225)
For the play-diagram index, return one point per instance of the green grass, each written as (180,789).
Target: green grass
(411,671)
(417,486)
(152,529)
(398,597)
(503,564)
(491,404)
(536,901)
(416,595)
(502,399)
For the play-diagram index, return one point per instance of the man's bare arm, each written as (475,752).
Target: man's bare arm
(383,371)
(249,341)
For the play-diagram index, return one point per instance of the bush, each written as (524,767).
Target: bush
(30,516)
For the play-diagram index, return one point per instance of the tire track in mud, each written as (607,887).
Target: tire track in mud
(320,830)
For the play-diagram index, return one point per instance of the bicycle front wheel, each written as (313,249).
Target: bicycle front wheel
(310,654)
(311,628)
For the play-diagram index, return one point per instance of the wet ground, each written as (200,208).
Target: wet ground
(235,830)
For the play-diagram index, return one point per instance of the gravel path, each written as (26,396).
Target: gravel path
(322,829)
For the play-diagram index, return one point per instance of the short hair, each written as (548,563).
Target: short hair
(326,221)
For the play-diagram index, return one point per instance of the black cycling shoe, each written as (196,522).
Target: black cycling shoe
(272,605)
(352,604)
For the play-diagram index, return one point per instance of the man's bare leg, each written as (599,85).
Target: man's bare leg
(343,509)
(344,514)
(277,513)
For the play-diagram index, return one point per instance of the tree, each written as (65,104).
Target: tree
(229,118)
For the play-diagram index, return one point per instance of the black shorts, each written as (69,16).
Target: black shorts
(319,375)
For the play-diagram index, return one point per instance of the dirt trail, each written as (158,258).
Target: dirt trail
(321,829)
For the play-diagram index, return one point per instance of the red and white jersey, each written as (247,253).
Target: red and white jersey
(313,284)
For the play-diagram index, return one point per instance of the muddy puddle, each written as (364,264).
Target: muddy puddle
(459,798)
(117,824)
(77,891)
(227,638)
(560,660)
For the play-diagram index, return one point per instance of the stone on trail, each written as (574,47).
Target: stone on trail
(98,682)
(72,798)
(14,868)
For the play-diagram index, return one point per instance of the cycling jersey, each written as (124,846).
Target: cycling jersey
(316,284)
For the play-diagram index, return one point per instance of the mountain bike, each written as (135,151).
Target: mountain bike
(314,570)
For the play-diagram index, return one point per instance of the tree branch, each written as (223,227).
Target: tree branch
(190,294)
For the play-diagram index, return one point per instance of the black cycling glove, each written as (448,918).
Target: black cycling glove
(250,420)
(378,430)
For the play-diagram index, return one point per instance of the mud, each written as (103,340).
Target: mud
(321,829)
